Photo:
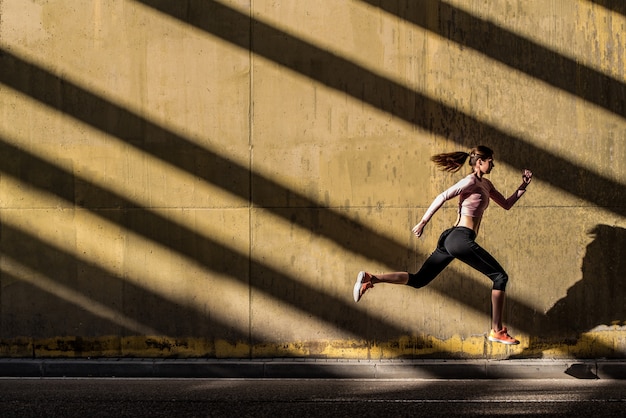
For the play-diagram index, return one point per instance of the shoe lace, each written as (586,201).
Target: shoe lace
(507,336)
(503,333)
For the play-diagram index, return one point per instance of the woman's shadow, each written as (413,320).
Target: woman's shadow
(598,299)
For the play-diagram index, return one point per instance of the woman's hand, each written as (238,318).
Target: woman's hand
(417,229)
(527,176)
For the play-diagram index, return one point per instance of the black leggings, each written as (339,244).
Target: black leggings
(458,242)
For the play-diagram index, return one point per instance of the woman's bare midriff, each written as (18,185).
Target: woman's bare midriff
(469,222)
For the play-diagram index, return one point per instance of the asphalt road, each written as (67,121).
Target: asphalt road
(309,398)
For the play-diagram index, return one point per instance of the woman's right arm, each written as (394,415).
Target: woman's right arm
(453,191)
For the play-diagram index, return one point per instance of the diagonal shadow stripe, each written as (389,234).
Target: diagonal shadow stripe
(618,6)
(512,50)
(386,95)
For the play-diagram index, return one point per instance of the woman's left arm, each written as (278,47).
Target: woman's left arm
(507,204)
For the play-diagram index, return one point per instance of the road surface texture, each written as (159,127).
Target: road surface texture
(134,397)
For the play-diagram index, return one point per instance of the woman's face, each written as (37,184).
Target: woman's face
(486,165)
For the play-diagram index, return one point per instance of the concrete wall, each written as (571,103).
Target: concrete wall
(206,178)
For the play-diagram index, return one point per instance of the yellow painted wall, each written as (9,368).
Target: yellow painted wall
(206,178)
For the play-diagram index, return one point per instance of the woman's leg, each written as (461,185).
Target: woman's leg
(433,265)
(365,281)
(400,277)
(461,244)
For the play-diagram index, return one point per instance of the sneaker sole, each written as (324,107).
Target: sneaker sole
(495,340)
(356,292)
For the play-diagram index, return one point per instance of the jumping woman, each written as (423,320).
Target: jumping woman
(474,192)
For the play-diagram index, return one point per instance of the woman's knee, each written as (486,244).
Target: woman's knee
(416,281)
(500,281)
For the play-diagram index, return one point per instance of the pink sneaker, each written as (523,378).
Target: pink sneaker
(362,284)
